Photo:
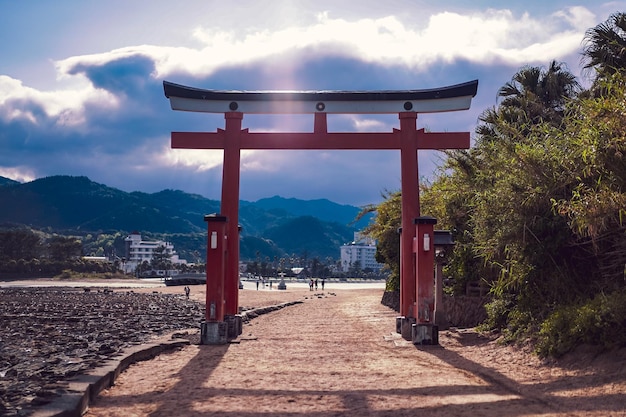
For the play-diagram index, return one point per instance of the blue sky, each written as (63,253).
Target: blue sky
(81,82)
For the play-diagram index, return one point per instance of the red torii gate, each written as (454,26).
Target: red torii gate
(416,272)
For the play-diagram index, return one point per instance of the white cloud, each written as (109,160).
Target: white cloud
(197,159)
(21,174)
(488,36)
(263,161)
(364,124)
(67,106)
(580,18)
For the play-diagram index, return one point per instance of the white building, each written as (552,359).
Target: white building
(361,250)
(138,251)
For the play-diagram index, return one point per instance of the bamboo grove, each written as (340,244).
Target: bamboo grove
(537,206)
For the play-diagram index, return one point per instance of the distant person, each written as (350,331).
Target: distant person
(257,284)
(311,285)
(270,284)
(322,284)
(187,291)
(315,284)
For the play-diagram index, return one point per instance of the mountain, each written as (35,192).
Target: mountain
(64,202)
(323,209)
(310,236)
(270,227)
(7,181)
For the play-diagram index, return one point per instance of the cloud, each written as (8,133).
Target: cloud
(18,173)
(488,36)
(66,106)
(106,117)
(579,18)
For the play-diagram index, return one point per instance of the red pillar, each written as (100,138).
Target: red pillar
(215,263)
(410,209)
(230,209)
(425,267)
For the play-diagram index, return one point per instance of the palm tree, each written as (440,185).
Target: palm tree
(605,46)
(541,94)
(533,95)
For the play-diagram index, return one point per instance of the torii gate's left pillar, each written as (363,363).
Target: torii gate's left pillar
(214,330)
(230,207)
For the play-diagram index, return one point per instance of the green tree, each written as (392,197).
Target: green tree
(605,46)
(491,196)
(385,231)
(497,200)
(539,94)
(161,258)
(19,244)
(545,212)
(316,267)
(356,270)
(534,95)
(450,200)
(143,267)
(64,248)
(595,208)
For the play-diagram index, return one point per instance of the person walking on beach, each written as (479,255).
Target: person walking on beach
(315,284)
(187,291)
(257,284)
(311,285)
(322,284)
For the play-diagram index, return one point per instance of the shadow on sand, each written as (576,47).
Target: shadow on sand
(190,395)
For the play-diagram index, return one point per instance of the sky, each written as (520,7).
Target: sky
(81,82)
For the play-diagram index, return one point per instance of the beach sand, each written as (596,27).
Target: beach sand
(337,354)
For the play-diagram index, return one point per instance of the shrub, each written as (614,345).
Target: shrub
(497,314)
(66,274)
(600,321)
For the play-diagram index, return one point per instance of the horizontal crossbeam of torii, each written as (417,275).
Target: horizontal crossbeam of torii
(408,139)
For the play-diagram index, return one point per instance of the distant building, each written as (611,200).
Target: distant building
(95,258)
(139,251)
(362,251)
(299,272)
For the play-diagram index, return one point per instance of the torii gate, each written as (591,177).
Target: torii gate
(416,248)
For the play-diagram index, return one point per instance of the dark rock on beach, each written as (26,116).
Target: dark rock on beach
(49,335)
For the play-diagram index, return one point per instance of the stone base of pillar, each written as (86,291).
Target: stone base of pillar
(425,334)
(235,325)
(213,333)
(399,324)
(406,324)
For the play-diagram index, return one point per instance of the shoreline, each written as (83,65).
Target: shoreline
(157,283)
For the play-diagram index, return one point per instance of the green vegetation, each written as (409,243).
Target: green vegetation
(68,274)
(24,252)
(385,231)
(598,321)
(537,206)
(101,217)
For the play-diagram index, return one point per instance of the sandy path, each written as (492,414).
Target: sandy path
(339,355)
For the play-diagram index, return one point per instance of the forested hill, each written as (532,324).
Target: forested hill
(68,203)
(7,181)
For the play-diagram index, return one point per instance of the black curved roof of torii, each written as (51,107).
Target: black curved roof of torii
(458,90)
